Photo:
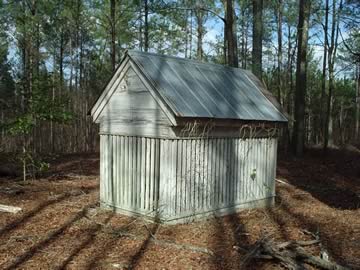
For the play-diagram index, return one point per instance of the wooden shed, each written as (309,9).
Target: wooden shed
(182,139)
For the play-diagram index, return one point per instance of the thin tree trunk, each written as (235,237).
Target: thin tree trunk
(71,51)
(279,59)
(200,33)
(323,82)
(257,38)
(186,34)
(357,106)
(341,122)
(231,37)
(289,70)
(191,32)
(301,69)
(113,33)
(246,44)
(146,26)
(81,63)
(328,138)
(61,61)
(243,49)
(225,46)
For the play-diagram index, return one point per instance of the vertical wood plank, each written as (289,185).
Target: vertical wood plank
(209,188)
(129,174)
(137,173)
(173,194)
(131,163)
(146,174)
(156,177)
(246,170)
(235,169)
(274,164)
(102,163)
(185,175)
(121,170)
(213,173)
(218,172)
(106,160)
(163,174)
(115,192)
(264,158)
(141,172)
(152,174)
(205,182)
(226,172)
(110,169)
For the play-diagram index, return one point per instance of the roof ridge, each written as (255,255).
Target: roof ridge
(131,52)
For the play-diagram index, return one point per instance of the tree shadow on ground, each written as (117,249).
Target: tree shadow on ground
(90,238)
(331,180)
(135,259)
(52,236)
(283,215)
(18,222)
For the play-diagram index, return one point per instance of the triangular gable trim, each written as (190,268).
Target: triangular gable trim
(144,79)
(113,84)
(109,89)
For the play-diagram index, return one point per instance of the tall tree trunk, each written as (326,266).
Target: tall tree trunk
(225,46)
(186,33)
(191,32)
(331,63)
(301,68)
(341,123)
(200,33)
(146,26)
(245,65)
(357,106)
(231,37)
(37,51)
(244,30)
(113,33)
(323,81)
(289,70)
(279,58)
(81,62)
(257,38)
(61,60)
(71,52)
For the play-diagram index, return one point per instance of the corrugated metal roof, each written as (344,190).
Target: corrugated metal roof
(194,89)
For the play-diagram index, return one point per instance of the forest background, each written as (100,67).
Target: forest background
(56,56)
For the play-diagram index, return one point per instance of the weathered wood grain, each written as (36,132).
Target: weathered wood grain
(177,178)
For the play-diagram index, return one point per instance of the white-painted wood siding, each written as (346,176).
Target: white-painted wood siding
(132,110)
(129,172)
(176,178)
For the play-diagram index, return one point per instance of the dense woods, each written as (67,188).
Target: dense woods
(180,140)
(56,56)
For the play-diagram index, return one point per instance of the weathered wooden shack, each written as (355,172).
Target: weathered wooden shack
(181,139)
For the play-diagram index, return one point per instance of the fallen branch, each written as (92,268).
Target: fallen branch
(9,209)
(282,182)
(290,254)
(297,243)
(317,261)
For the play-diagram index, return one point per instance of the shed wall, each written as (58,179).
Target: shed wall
(179,178)
(133,111)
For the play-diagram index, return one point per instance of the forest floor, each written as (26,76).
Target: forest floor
(318,194)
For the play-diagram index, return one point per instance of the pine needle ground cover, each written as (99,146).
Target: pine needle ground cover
(62,227)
